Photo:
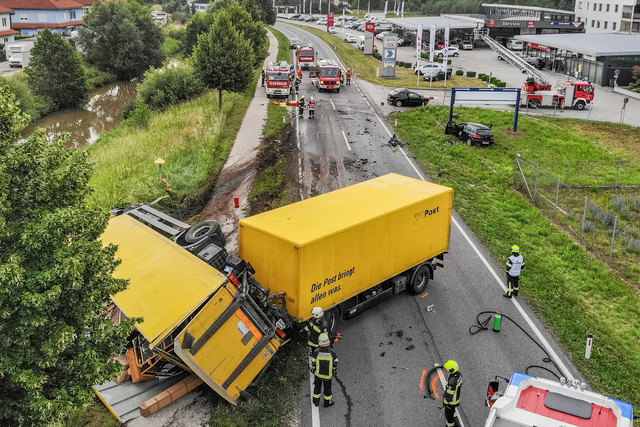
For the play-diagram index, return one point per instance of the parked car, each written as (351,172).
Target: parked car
(381,35)
(332,30)
(474,133)
(427,67)
(514,44)
(466,45)
(350,38)
(360,28)
(404,96)
(310,18)
(321,21)
(293,43)
(294,17)
(536,61)
(404,42)
(452,51)
(436,74)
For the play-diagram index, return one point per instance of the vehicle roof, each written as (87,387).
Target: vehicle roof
(478,125)
(159,271)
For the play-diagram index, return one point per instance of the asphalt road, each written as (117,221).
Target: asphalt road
(386,349)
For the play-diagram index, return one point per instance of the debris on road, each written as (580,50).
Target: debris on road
(411,347)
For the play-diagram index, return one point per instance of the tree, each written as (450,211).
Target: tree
(121,38)
(268,12)
(223,58)
(56,72)
(55,278)
(250,29)
(199,24)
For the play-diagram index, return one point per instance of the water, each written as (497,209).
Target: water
(101,114)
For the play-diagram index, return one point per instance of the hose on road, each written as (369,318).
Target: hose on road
(482,325)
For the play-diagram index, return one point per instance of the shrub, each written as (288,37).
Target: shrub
(617,202)
(459,73)
(484,78)
(139,116)
(589,226)
(170,85)
(493,79)
(481,75)
(400,64)
(501,84)
(97,78)
(33,105)
(407,65)
(471,73)
(171,46)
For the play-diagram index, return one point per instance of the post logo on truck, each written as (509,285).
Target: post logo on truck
(426,213)
(318,287)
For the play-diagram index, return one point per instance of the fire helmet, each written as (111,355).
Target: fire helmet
(515,249)
(317,312)
(452,366)
(323,340)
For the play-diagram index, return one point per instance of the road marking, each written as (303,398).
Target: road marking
(332,104)
(367,102)
(315,413)
(346,141)
(427,293)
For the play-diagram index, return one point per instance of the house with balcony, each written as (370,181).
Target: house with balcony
(60,16)
(6,32)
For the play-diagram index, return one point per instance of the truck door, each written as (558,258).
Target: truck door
(228,342)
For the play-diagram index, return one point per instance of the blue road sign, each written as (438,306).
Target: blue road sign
(389,53)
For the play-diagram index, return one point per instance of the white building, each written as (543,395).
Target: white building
(608,16)
(6,33)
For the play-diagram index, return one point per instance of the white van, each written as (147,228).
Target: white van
(361,43)
(514,44)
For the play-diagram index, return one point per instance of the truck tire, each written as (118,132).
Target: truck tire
(204,229)
(420,279)
(580,105)
(333,317)
(533,103)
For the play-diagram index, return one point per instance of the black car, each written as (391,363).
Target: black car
(474,133)
(293,43)
(404,96)
(436,74)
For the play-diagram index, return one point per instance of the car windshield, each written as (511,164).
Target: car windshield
(277,76)
(329,72)
(305,53)
(397,91)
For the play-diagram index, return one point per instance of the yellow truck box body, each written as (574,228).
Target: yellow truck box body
(166,282)
(327,249)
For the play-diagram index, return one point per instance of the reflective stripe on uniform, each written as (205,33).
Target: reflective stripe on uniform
(324,366)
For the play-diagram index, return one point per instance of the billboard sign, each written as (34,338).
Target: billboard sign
(390,45)
(329,20)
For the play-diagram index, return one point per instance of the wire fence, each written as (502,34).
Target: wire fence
(598,202)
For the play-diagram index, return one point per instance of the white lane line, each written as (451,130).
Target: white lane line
(367,102)
(374,111)
(383,125)
(315,413)
(297,124)
(346,141)
(332,104)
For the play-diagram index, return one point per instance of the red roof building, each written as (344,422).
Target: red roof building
(32,16)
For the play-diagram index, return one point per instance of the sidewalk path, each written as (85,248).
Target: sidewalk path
(237,175)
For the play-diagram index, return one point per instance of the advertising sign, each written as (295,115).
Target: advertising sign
(370,29)
(390,44)
(531,24)
(432,42)
(418,44)
(329,20)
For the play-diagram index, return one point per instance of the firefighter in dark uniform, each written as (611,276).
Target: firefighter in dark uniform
(451,398)
(514,267)
(301,107)
(324,362)
(316,326)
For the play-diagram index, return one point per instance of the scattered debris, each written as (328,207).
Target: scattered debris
(368,119)
(409,339)
(399,333)
(430,307)
(390,343)
(388,334)
(382,354)
(411,347)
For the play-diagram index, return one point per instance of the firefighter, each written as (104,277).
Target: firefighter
(297,84)
(299,72)
(262,75)
(348,76)
(301,107)
(324,363)
(451,398)
(514,267)
(316,326)
(341,78)
(312,108)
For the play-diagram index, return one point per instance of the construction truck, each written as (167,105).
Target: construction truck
(530,401)
(221,318)
(576,94)
(278,79)
(326,75)
(305,56)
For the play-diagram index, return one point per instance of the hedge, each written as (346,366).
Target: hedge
(400,64)
(471,73)
(501,84)
(407,65)
(459,73)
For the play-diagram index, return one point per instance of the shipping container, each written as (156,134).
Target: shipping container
(328,249)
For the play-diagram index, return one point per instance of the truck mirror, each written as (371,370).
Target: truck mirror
(491,391)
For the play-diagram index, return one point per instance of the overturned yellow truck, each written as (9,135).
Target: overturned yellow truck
(223,317)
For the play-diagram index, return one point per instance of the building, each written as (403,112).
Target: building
(160,18)
(6,32)
(505,21)
(201,7)
(593,57)
(33,16)
(608,16)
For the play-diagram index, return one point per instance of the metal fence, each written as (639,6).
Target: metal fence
(598,202)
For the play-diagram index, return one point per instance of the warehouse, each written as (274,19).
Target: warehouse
(594,57)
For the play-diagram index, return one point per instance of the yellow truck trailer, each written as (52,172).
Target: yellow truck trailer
(223,317)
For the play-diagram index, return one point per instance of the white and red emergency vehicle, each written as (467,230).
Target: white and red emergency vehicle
(530,401)
(278,81)
(576,94)
(305,56)
(327,75)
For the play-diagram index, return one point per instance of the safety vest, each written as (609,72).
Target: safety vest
(324,362)
(452,393)
(300,72)
(315,329)
(515,265)
(312,104)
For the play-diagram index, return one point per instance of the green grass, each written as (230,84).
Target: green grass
(574,293)
(95,414)
(284,51)
(193,138)
(365,66)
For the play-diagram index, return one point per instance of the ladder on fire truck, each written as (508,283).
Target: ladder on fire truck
(516,60)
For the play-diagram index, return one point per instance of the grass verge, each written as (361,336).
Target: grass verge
(194,140)
(365,66)
(572,291)
(284,52)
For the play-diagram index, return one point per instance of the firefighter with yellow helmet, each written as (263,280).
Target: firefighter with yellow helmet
(451,398)
(324,363)
(514,266)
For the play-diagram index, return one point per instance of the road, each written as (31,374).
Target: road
(386,349)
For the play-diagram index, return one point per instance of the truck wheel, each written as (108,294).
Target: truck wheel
(420,279)
(202,230)
(533,103)
(333,317)
(580,105)
(268,96)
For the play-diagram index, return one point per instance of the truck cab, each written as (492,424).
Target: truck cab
(278,80)
(578,94)
(305,56)
(328,75)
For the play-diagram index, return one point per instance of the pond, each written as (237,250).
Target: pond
(101,114)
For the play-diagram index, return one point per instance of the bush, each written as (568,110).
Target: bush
(407,65)
(400,64)
(589,226)
(139,115)
(459,73)
(501,84)
(33,105)
(171,46)
(169,85)
(493,79)
(471,73)
(484,78)
(481,75)
(97,78)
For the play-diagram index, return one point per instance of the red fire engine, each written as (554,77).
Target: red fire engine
(305,56)
(278,81)
(327,75)
(575,94)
